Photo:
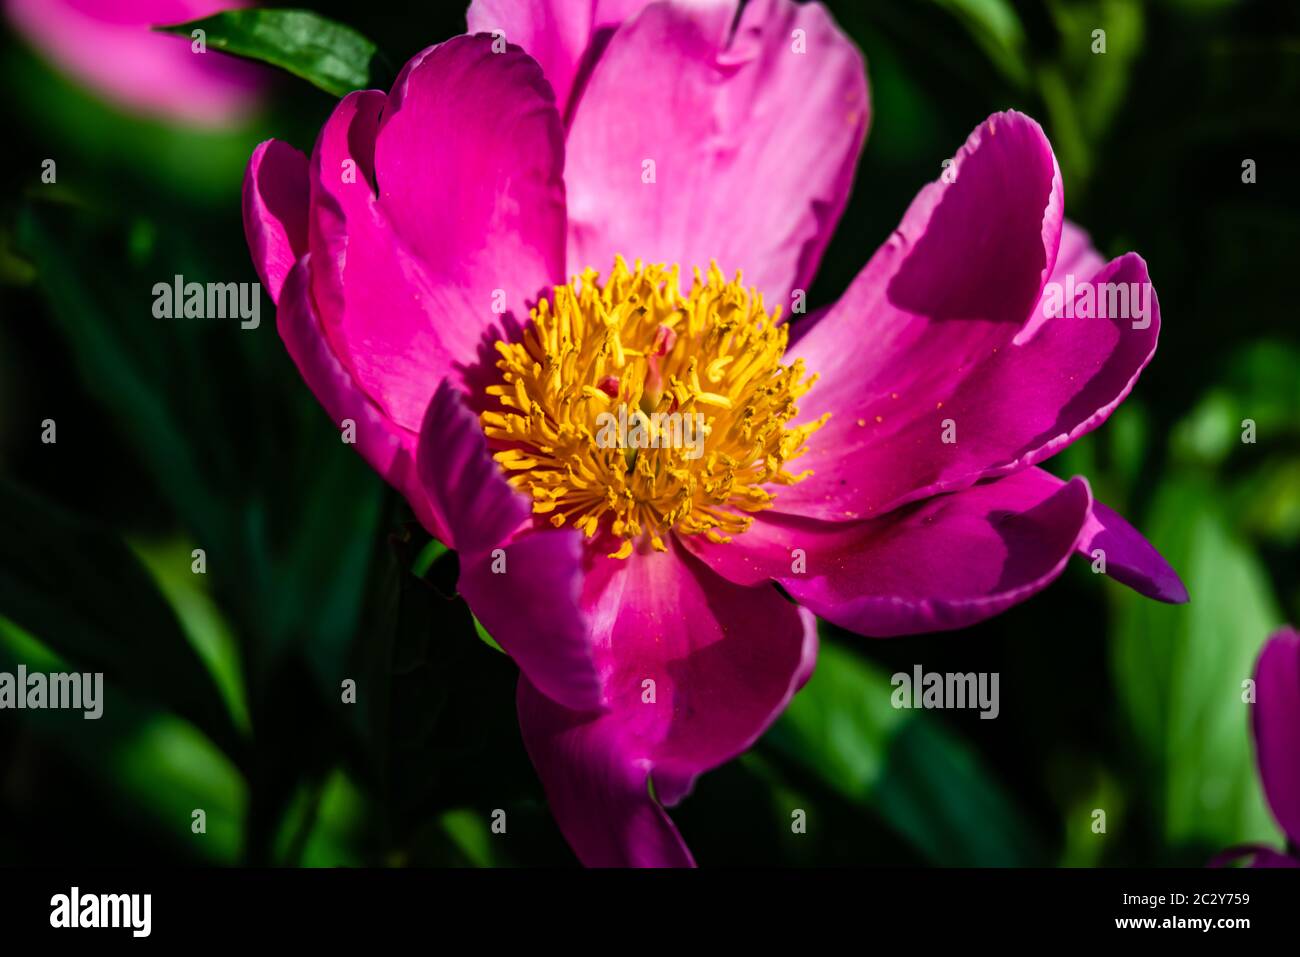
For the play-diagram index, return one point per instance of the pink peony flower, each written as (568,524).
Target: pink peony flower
(635,586)
(109,46)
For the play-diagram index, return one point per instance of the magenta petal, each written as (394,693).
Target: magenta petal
(1130,558)
(599,796)
(951,561)
(531,609)
(725,659)
(377,302)
(765,552)
(524,590)
(342,207)
(945,563)
(564,37)
(1256,855)
(1016,404)
(1076,257)
(753,143)
(1076,253)
(695,669)
(946,294)
(1264,857)
(276,197)
(469,493)
(470,165)
(1277,728)
(388,448)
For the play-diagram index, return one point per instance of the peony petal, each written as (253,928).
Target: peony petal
(1076,257)
(754,143)
(949,290)
(1253,855)
(470,165)
(388,448)
(751,558)
(1076,253)
(276,198)
(384,314)
(524,590)
(938,404)
(1277,728)
(1269,858)
(600,797)
(1130,558)
(724,662)
(942,564)
(468,491)
(530,606)
(564,37)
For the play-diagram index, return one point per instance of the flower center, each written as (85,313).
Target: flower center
(630,408)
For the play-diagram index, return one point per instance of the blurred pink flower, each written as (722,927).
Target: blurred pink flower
(635,588)
(108,46)
(1277,747)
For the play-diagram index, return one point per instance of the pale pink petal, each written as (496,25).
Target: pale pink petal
(109,46)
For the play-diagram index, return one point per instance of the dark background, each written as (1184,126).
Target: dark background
(223,688)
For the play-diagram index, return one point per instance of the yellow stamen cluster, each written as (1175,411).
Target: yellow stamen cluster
(636,344)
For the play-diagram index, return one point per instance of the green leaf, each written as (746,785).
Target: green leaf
(485,637)
(1207,434)
(1259,386)
(1180,668)
(1268,501)
(440,724)
(170,563)
(430,554)
(996,27)
(326,54)
(14,269)
(470,833)
(155,768)
(926,784)
(77,588)
(433,552)
(143,377)
(328,528)
(1083,90)
(324,825)
(287,514)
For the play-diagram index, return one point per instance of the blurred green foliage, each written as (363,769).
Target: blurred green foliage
(224,688)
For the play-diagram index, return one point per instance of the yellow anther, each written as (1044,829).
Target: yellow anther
(601,416)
